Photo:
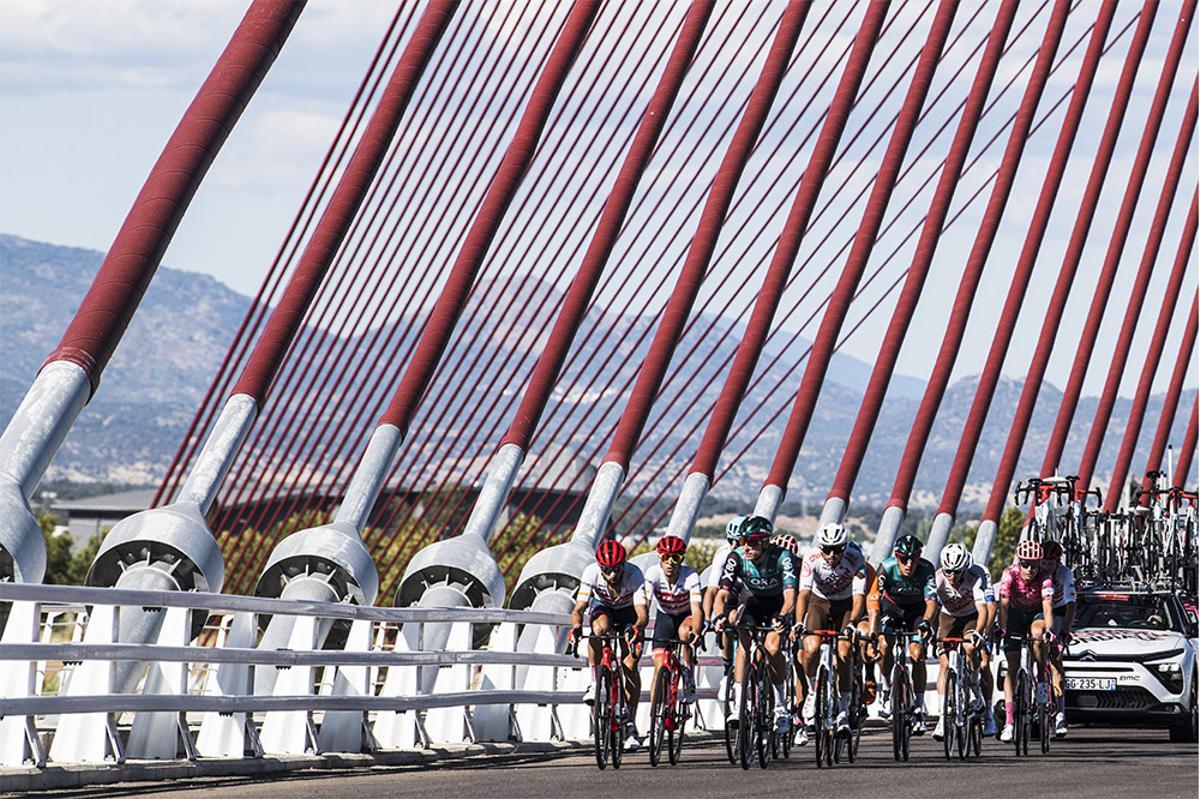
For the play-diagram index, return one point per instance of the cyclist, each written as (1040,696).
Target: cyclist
(613,593)
(1064,616)
(906,593)
(963,591)
(760,578)
(732,536)
(675,590)
(868,652)
(833,586)
(1026,596)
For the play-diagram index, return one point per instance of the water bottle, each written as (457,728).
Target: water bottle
(1041,693)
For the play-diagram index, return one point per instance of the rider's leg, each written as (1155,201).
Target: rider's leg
(1012,660)
(600,626)
(740,662)
(776,665)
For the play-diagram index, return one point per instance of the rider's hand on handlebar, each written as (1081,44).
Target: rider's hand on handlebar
(925,629)
(575,634)
(719,624)
(1048,636)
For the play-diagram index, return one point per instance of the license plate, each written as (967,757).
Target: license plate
(1091,684)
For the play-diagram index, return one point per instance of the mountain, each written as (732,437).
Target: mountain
(186,322)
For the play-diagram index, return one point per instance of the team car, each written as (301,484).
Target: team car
(1132,661)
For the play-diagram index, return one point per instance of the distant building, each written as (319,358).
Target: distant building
(89,517)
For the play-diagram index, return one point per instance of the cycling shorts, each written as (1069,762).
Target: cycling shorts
(760,611)
(955,626)
(899,618)
(618,618)
(666,628)
(825,614)
(1019,622)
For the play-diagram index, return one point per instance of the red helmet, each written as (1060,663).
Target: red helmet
(610,554)
(1030,550)
(670,545)
(1051,550)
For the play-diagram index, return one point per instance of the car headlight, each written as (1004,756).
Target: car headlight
(1170,674)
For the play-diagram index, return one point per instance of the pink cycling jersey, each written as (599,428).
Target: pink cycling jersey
(1023,594)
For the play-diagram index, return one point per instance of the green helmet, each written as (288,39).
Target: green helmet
(908,545)
(756,526)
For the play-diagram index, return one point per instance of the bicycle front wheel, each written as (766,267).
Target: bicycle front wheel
(1021,714)
(745,731)
(764,716)
(602,719)
(901,723)
(658,715)
(949,720)
(731,737)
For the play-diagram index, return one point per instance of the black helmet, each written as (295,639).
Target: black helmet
(908,545)
(755,526)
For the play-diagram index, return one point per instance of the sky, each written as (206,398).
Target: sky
(90,91)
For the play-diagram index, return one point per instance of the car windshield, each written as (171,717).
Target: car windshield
(1124,610)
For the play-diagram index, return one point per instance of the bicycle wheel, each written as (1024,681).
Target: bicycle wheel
(658,715)
(601,719)
(949,720)
(820,744)
(977,735)
(616,729)
(731,749)
(901,723)
(1021,714)
(855,716)
(764,716)
(745,730)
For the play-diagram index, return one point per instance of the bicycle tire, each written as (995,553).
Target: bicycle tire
(746,723)
(977,735)
(1021,714)
(658,715)
(821,745)
(601,719)
(1044,725)
(675,740)
(855,714)
(901,707)
(949,718)
(731,740)
(764,715)
(617,727)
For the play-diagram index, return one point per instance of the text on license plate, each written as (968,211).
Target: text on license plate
(1091,684)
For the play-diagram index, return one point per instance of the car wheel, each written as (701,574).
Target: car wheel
(1186,732)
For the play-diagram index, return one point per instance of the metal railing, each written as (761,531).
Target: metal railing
(379,689)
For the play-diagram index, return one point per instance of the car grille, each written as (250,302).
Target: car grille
(1128,698)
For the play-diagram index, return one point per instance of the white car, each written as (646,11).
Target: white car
(1132,661)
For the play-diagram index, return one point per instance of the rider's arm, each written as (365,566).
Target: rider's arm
(577,613)
(873,602)
(857,606)
(801,604)
(981,619)
(718,608)
(641,609)
(789,602)
(1048,600)
(1068,618)
(1002,612)
(788,568)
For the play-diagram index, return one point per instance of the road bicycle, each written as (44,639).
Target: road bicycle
(825,734)
(610,710)
(1031,700)
(669,714)
(756,712)
(902,698)
(962,716)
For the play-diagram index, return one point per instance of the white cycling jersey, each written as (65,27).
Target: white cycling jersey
(596,591)
(1064,586)
(675,598)
(844,579)
(974,587)
(718,564)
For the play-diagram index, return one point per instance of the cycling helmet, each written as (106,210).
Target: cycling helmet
(610,554)
(756,527)
(832,535)
(733,528)
(1051,550)
(908,545)
(788,542)
(1030,550)
(670,545)
(955,558)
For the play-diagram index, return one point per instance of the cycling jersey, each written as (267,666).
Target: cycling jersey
(846,578)
(1023,594)
(675,598)
(718,564)
(973,588)
(596,591)
(1064,586)
(897,589)
(768,579)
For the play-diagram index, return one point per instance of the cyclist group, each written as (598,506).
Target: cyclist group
(761,579)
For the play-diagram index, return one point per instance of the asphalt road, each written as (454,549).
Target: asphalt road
(1090,763)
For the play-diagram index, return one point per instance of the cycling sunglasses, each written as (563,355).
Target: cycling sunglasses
(902,558)
(676,557)
(755,541)
(953,572)
(610,570)
(1030,564)
(834,550)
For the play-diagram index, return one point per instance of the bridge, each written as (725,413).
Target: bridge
(446,392)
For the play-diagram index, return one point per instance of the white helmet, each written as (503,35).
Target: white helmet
(955,558)
(733,528)
(832,535)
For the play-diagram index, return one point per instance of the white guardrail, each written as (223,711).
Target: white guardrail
(59,654)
